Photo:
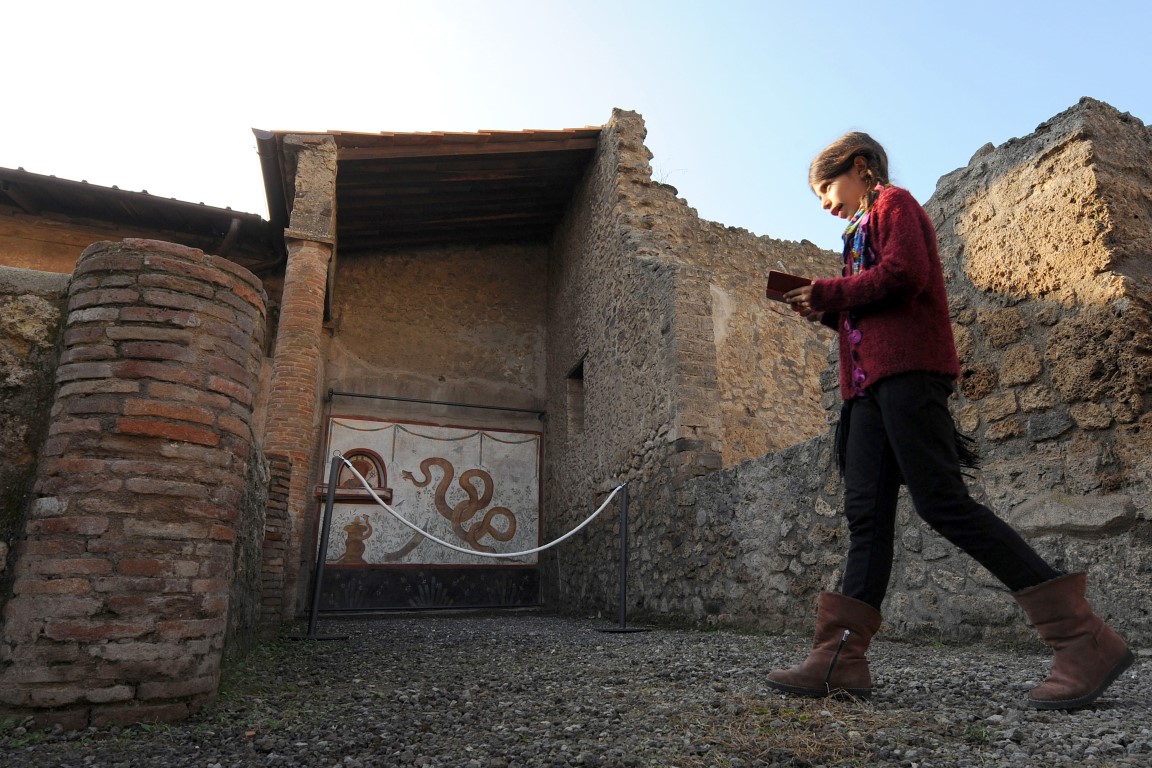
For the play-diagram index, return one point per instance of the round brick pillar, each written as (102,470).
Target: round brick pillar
(121,589)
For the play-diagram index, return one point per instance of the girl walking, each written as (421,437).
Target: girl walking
(897,365)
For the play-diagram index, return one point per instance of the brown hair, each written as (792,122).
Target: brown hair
(838,158)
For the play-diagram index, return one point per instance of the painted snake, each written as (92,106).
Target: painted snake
(465,510)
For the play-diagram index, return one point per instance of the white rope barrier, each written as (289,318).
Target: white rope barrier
(449,545)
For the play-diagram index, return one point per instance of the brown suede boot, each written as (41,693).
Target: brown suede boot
(1087,654)
(836,665)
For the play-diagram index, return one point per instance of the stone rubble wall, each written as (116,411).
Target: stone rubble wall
(125,577)
(686,367)
(1047,246)
(31,311)
(750,356)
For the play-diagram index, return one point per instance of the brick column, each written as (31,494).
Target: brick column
(274,546)
(122,585)
(291,432)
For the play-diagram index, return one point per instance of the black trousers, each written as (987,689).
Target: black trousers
(902,431)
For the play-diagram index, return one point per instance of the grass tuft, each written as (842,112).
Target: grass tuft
(825,732)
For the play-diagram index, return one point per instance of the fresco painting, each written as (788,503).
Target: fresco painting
(478,489)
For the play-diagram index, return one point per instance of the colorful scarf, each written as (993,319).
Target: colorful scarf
(855,243)
(857,255)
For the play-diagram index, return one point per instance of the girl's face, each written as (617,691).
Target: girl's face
(843,195)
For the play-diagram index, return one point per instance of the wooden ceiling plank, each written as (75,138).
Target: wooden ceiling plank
(455,150)
(459,163)
(517,233)
(386,227)
(409,189)
(459,193)
(402,176)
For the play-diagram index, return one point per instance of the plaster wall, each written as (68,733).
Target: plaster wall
(459,324)
(51,242)
(454,323)
(36,242)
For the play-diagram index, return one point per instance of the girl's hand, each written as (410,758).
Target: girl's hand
(800,300)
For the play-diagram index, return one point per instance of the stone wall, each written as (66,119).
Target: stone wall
(1046,249)
(31,309)
(1047,243)
(246,594)
(125,576)
(665,361)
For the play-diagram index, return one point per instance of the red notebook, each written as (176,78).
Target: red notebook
(779,283)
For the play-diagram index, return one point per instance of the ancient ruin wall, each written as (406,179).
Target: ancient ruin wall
(685,367)
(1046,243)
(31,310)
(1045,246)
(767,366)
(123,581)
(42,244)
(291,435)
(610,371)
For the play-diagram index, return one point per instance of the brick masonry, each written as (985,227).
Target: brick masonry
(123,581)
(292,434)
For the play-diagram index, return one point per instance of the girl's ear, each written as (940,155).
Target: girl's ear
(860,165)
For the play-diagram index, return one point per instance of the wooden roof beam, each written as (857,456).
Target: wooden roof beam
(27,204)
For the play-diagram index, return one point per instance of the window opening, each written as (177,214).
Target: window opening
(576,399)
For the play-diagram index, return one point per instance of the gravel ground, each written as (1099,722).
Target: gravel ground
(526,689)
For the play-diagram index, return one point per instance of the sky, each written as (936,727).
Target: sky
(737,95)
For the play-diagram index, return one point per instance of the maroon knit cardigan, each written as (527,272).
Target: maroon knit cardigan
(899,305)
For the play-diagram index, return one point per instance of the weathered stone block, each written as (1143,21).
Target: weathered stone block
(1090,415)
(1002,327)
(110,694)
(978,380)
(1004,429)
(1021,364)
(55,697)
(1058,513)
(1036,398)
(1048,425)
(999,405)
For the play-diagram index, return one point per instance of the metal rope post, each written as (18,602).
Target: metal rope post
(623,599)
(322,556)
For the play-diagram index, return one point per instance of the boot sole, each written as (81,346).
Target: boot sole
(1079,703)
(821,693)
